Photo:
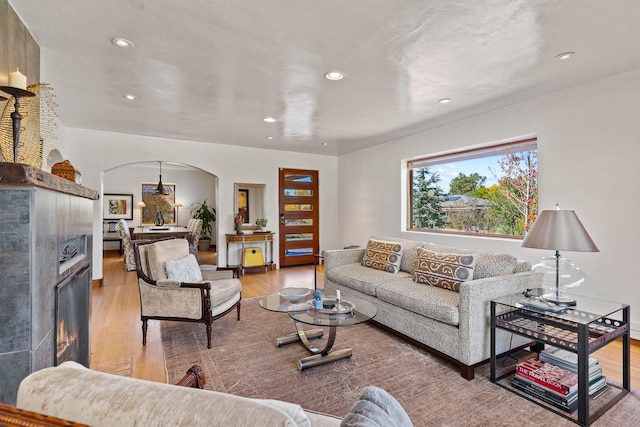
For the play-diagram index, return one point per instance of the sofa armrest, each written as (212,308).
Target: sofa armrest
(475,311)
(336,257)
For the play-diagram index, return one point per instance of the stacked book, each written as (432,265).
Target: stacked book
(568,360)
(553,378)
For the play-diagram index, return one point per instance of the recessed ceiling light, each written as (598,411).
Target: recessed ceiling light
(565,55)
(445,100)
(269,137)
(325,143)
(269,119)
(334,75)
(120,42)
(129,97)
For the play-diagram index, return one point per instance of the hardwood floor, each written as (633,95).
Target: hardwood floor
(116,333)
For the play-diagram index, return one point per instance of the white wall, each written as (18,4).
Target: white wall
(191,186)
(588,152)
(94,152)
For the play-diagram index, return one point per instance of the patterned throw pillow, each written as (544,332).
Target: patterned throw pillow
(381,255)
(444,270)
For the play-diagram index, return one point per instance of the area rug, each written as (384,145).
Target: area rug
(245,361)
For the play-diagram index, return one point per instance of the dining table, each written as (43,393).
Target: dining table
(159,232)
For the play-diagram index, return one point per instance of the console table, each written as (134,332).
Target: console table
(581,329)
(264,238)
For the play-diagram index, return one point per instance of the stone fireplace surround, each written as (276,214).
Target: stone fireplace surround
(41,216)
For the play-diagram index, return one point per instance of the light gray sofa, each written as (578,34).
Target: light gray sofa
(73,392)
(453,325)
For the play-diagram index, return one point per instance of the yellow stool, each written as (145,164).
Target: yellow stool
(252,257)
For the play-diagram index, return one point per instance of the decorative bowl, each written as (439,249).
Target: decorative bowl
(294,294)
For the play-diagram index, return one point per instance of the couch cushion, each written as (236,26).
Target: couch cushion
(445,270)
(383,255)
(361,278)
(409,252)
(183,269)
(492,265)
(487,264)
(429,301)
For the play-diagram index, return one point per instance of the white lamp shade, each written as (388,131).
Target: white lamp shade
(560,230)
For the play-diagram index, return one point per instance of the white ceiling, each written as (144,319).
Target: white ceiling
(211,70)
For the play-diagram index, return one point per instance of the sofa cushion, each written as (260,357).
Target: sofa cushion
(409,252)
(183,269)
(492,265)
(445,270)
(429,301)
(487,264)
(376,408)
(360,278)
(383,255)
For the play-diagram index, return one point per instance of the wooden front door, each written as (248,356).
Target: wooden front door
(299,216)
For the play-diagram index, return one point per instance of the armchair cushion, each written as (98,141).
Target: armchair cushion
(183,269)
(162,251)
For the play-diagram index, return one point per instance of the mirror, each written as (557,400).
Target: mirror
(251,197)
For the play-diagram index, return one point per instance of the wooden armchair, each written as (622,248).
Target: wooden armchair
(174,287)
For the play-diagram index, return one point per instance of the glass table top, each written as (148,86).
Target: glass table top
(301,312)
(585,311)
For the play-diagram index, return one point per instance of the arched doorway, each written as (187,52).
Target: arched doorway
(190,186)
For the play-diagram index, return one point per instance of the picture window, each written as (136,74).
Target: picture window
(491,191)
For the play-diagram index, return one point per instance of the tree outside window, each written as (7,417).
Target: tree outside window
(491,191)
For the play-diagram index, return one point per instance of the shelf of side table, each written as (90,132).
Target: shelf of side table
(582,329)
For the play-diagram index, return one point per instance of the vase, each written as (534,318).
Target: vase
(558,275)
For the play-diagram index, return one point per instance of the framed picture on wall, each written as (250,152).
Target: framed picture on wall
(243,202)
(165,203)
(117,206)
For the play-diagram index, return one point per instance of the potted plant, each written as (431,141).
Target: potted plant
(208,216)
(261,222)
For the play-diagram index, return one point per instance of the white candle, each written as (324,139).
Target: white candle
(338,295)
(17,79)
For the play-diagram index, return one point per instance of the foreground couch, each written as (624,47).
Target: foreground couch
(436,295)
(74,393)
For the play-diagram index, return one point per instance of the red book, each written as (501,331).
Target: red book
(549,375)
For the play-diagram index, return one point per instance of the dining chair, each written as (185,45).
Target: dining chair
(129,261)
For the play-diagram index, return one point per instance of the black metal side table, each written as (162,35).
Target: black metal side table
(581,329)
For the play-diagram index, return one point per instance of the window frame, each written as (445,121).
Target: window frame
(529,143)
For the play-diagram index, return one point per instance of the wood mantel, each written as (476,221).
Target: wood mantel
(19,174)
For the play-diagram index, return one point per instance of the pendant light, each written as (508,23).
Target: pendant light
(160,189)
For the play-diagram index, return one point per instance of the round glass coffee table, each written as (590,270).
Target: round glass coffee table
(354,311)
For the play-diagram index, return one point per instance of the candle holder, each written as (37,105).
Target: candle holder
(16,117)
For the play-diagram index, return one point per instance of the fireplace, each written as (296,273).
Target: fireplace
(46,224)
(72,306)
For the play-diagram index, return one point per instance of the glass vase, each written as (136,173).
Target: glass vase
(558,275)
